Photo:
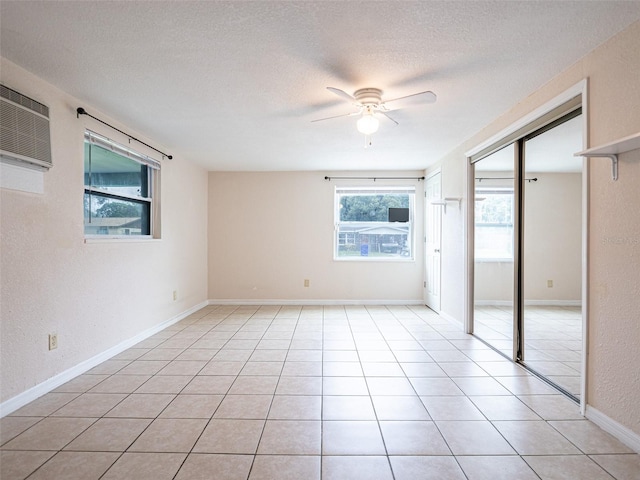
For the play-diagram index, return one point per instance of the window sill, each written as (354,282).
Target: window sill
(374,259)
(119,239)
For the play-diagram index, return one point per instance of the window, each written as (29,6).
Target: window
(494,224)
(362,227)
(120,188)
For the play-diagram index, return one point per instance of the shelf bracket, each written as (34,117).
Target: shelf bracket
(614,162)
(443,202)
(612,150)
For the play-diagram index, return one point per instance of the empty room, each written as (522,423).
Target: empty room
(319,240)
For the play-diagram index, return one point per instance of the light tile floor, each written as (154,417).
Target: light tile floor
(268,392)
(553,339)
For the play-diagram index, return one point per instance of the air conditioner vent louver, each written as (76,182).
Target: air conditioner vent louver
(24,129)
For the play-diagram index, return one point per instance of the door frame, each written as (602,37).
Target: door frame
(581,88)
(428,177)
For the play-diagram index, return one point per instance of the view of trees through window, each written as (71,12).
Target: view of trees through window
(363,228)
(370,208)
(494,224)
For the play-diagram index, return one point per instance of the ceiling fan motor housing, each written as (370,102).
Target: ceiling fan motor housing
(368,96)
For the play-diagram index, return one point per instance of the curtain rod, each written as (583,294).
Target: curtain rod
(374,178)
(82,111)
(535,179)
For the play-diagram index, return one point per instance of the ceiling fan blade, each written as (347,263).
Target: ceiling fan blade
(336,116)
(386,115)
(341,93)
(429,97)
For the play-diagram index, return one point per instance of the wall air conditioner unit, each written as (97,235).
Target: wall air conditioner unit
(24,131)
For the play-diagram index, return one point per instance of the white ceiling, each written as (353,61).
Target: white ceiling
(235,85)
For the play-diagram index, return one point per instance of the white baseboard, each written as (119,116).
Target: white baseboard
(554,303)
(492,303)
(622,433)
(539,303)
(245,301)
(37,391)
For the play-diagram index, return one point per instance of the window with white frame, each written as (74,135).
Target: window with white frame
(374,223)
(120,189)
(494,224)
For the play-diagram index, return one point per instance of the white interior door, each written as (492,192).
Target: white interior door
(433,233)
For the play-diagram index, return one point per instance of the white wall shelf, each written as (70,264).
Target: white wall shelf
(612,150)
(443,202)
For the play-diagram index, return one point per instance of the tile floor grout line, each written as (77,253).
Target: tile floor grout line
(125,450)
(63,447)
(264,426)
(481,412)
(204,428)
(322,356)
(374,408)
(384,443)
(435,424)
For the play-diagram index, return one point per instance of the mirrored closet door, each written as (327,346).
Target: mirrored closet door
(494,211)
(527,267)
(552,254)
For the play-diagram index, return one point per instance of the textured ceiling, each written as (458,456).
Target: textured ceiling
(235,85)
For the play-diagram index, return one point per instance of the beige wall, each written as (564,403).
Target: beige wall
(613,71)
(553,237)
(96,295)
(270,231)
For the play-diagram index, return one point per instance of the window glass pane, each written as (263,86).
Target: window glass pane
(114,173)
(104,215)
(117,193)
(370,208)
(363,228)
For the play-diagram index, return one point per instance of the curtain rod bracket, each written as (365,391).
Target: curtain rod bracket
(82,111)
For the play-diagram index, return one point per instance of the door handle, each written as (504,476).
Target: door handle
(437,250)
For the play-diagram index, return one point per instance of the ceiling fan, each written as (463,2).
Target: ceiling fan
(369,102)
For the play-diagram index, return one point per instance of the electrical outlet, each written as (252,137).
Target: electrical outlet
(306,282)
(175,295)
(53,341)
(549,283)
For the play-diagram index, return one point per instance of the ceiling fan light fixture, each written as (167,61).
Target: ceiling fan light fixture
(368,124)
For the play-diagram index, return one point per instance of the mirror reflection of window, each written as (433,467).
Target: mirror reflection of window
(494,224)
